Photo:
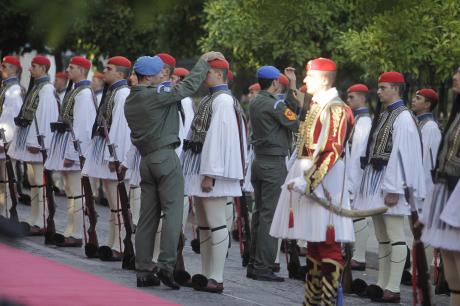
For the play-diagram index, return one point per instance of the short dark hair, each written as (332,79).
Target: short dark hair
(139,76)
(401,88)
(124,70)
(264,83)
(433,103)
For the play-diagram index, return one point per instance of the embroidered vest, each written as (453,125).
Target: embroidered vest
(449,156)
(382,138)
(3,90)
(106,108)
(29,108)
(68,104)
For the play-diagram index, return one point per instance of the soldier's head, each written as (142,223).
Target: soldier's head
(39,66)
(148,70)
(357,96)
(267,77)
(179,74)
(168,67)
(321,73)
(391,86)
(117,68)
(11,66)
(217,73)
(253,90)
(456,81)
(60,80)
(132,80)
(78,68)
(424,101)
(97,83)
(284,83)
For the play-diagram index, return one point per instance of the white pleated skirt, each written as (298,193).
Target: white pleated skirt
(247,185)
(436,232)
(310,219)
(370,194)
(56,156)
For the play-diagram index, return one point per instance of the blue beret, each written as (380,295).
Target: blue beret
(148,65)
(268,72)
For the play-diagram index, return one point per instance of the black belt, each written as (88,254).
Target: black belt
(441,177)
(196,147)
(60,127)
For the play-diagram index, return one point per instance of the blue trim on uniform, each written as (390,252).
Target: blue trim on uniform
(395,105)
(118,84)
(425,116)
(11,80)
(166,84)
(278,102)
(218,88)
(281,96)
(42,79)
(359,111)
(82,82)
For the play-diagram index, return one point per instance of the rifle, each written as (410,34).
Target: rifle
(11,179)
(347,277)
(91,244)
(244,228)
(418,248)
(50,230)
(128,252)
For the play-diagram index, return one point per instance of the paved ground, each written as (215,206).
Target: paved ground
(238,289)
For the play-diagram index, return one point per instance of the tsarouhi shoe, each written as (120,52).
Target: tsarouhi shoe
(167,279)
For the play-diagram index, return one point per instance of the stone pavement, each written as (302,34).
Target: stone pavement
(239,290)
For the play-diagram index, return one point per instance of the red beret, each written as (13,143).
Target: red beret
(358,88)
(41,60)
(283,79)
(13,60)
(219,64)
(254,87)
(391,77)
(230,75)
(61,74)
(181,72)
(167,59)
(120,61)
(428,93)
(81,61)
(321,64)
(303,88)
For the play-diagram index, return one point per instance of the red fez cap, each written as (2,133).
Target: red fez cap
(303,88)
(13,60)
(81,61)
(283,79)
(219,64)
(181,72)
(167,59)
(230,75)
(254,87)
(41,60)
(428,93)
(120,61)
(358,88)
(61,74)
(98,75)
(391,77)
(321,64)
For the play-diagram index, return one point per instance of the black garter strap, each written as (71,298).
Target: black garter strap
(357,220)
(75,197)
(37,186)
(115,210)
(386,242)
(399,243)
(4,182)
(204,228)
(229,203)
(218,228)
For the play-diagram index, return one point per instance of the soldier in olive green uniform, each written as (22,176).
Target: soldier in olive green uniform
(272,122)
(152,115)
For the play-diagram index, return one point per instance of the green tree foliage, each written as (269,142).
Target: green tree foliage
(416,37)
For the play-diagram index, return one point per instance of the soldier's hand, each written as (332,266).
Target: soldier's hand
(112,167)
(212,55)
(33,150)
(122,171)
(290,74)
(68,163)
(391,199)
(207,184)
(299,97)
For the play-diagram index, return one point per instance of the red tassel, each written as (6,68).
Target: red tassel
(291,218)
(330,234)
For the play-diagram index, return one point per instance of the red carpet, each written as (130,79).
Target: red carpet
(33,280)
